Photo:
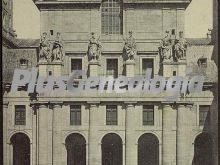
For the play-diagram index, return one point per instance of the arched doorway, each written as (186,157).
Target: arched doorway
(202,150)
(148,150)
(76,149)
(111,149)
(21,149)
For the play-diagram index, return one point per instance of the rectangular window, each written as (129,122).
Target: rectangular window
(76,64)
(202,62)
(147,63)
(203,114)
(111,115)
(148,115)
(112,68)
(20,115)
(75,115)
(111,17)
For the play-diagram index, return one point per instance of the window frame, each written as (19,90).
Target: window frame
(112,15)
(204,112)
(75,120)
(142,62)
(111,115)
(115,75)
(21,120)
(148,109)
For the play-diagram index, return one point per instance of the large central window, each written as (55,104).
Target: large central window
(111,17)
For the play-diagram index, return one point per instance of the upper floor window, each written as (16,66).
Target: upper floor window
(202,62)
(111,17)
(203,114)
(20,115)
(24,63)
(147,63)
(111,115)
(148,115)
(76,64)
(112,67)
(75,115)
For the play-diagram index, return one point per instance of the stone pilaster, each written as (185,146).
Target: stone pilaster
(43,135)
(94,156)
(183,134)
(130,68)
(169,135)
(5,132)
(56,138)
(130,146)
(93,68)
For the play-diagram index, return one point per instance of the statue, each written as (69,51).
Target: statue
(166,47)
(44,47)
(180,47)
(57,50)
(130,47)
(94,48)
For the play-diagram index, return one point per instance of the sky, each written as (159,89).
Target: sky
(198,19)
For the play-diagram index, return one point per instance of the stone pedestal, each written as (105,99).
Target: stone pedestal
(46,68)
(42,66)
(130,68)
(169,135)
(174,68)
(93,68)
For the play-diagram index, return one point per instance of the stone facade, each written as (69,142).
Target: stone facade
(176,124)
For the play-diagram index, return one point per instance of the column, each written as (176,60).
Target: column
(93,140)
(56,135)
(130,68)
(93,68)
(5,132)
(169,135)
(131,143)
(43,135)
(183,135)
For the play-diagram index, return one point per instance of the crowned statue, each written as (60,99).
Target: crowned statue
(130,47)
(45,52)
(57,50)
(94,48)
(166,47)
(180,47)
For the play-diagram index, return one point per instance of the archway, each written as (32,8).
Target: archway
(148,150)
(76,149)
(202,150)
(21,149)
(111,149)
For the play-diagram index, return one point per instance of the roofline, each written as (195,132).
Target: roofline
(40,3)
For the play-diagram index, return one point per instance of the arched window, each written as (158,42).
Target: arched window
(76,149)
(21,149)
(148,150)
(111,149)
(202,150)
(112,17)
